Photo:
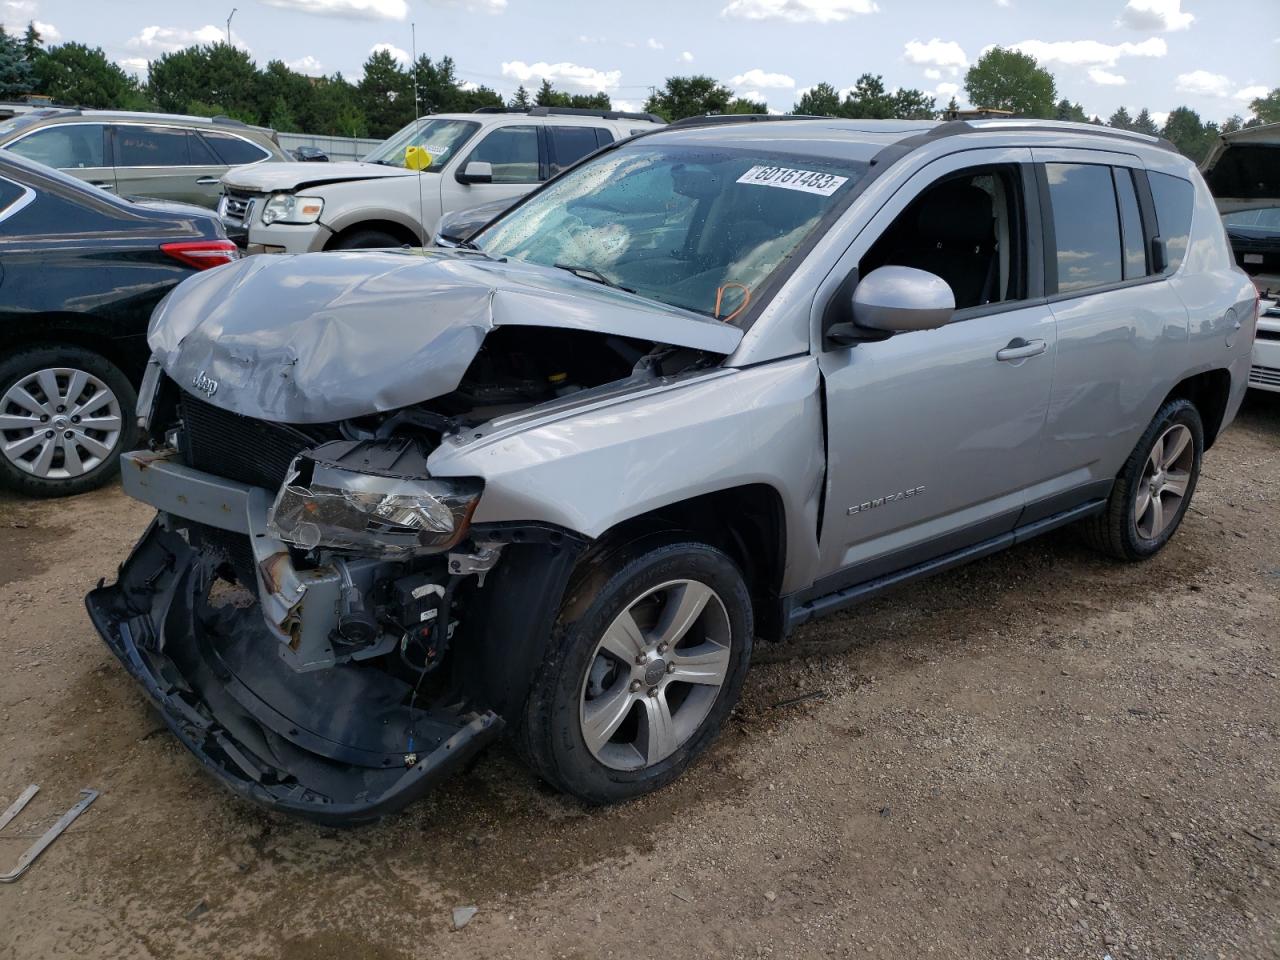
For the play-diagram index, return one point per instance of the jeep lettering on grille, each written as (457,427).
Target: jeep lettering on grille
(205,384)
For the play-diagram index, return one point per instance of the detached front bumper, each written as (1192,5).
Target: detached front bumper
(339,747)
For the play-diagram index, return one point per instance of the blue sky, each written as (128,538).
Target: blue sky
(1212,56)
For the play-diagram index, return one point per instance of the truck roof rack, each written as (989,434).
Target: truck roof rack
(716,119)
(574,112)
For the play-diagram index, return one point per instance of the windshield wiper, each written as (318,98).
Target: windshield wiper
(591,273)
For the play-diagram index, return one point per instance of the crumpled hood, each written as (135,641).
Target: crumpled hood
(327,336)
(270,176)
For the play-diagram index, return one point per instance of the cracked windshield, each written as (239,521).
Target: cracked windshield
(696,229)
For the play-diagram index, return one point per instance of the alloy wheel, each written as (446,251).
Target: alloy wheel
(655,675)
(59,423)
(1166,477)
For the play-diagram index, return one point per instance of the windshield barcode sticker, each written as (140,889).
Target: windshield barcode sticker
(806,181)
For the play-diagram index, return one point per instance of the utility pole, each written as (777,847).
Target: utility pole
(229,16)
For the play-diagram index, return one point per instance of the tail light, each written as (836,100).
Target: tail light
(202,254)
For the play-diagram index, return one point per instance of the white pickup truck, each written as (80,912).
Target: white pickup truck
(385,201)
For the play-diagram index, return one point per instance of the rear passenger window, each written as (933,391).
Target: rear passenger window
(138,146)
(65,146)
(1135,243)
(1173,198)
(234,151)
(569,145)
(1085,225)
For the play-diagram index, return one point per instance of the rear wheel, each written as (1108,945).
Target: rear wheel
(1153,491)
(66,414)
(646,666)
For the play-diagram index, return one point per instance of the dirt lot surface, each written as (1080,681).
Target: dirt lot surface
(1042,754)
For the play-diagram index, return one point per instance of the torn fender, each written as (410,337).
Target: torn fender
(323,337)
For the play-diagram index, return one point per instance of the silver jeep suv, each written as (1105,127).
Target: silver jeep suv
(701,388)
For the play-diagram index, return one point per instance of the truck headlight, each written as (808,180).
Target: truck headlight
(288,208)
(373,498)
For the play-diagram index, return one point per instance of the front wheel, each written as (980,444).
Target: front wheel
(646,664)
(1153,491)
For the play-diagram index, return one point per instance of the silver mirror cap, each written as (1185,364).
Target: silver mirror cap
(478,170)
(901,299)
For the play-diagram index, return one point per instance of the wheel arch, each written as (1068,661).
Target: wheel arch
(395,228)
(1210,391)
(54,330)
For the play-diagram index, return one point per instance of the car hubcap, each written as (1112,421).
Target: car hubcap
(1165,480)
(59,423)
(655,675)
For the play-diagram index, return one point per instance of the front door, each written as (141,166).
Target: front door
(80,149)
(934,436)
(512,152)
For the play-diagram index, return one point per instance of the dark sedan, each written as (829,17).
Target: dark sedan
(80,273)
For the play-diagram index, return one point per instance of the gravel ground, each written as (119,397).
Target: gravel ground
(1042,754)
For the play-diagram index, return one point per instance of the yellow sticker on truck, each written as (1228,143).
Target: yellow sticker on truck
(787,178)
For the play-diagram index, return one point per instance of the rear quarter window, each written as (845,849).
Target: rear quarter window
(1174,199)
(10,194)
(234,151)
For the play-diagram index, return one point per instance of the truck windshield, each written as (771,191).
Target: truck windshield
(694,227)
(441,138)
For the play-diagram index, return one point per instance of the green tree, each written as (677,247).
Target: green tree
(75,73)
(1143,123)
(1120,120)
(32,44)
(385,94)
(337,109)
(870,100)
(1232,123)
(547,95)
(1185,130)
(744,105)
(15,68)
(820,100)
(950,110)
(1009,80)
(1066,110)
(215,78)
(286,100)
(1267,109)
(521,100)
(691,96)
(912,104)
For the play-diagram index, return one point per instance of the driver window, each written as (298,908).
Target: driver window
(966,229)
(513,152)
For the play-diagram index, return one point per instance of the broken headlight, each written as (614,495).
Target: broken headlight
(372,497)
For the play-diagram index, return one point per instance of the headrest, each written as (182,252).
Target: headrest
(956,213)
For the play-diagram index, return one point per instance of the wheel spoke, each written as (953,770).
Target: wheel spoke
(624,639)
(1156,458)
(1144,502)
(96,447)
(75,386)
(107,424)
(100,399)
(685,605)
(1157,516)
(42,463)
(19,447)
(48,381)
(603,715)
(706,663)
(13,421)
(23,398)
(71,458)
(659,735)
(1175,442)
(1176,481)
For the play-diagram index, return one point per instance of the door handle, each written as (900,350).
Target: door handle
(1019,349)
(103,184)
(207,182)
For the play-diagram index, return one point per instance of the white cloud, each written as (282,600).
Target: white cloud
(686,56)
(653,44)
(1105,78)
(158,40)
(758,78)
(1004,3)
(627,106)
(1203,83)
(940,54)
(354,9)
(307,65)
(798,11)
(468,85)
(135,65)
(1163,15)
(1089,53)
(753,95)
(583,38)
(20,8)
(48,32)
(947,90)
(932,74)
(1249,94)
(564,75)
(1158,118)
(401,55)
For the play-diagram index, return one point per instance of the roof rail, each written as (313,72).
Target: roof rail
(574,112)
(500,110)
(227,121)
(1050,126)
(714,119)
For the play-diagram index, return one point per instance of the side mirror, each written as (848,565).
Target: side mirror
(477,171)
(902,299)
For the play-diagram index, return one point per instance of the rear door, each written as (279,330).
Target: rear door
(80,149)
(165,162)
(1121,327)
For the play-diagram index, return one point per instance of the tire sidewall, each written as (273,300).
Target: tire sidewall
(1178,412)
(556,698)
(21,364)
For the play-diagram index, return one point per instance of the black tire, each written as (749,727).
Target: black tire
(24,363)
(367,240)
(1115,531)
(551,734)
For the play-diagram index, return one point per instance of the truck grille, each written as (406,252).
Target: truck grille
(234,206)
(1265,376)
(239,448)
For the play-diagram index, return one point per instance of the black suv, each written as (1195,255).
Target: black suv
(80,272)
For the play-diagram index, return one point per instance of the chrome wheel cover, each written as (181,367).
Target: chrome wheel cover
(59,423)
(1166,477)
(655,675)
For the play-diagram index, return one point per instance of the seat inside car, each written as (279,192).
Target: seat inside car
(954,238)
